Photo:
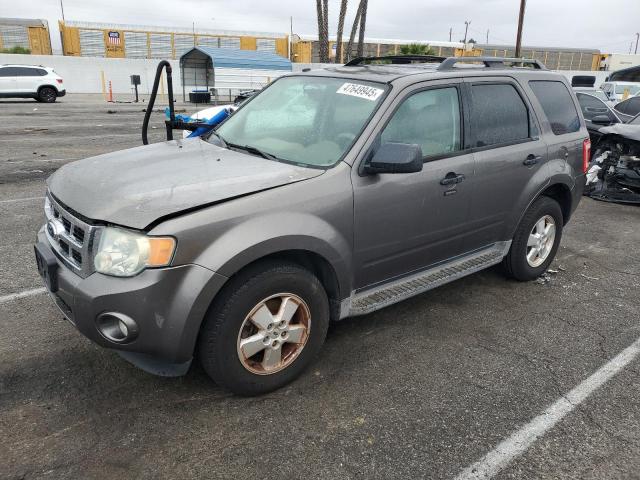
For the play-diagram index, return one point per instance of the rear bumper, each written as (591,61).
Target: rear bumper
(168,306)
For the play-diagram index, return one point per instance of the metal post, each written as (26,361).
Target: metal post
(450,33)
(520,22)
(637,38)
(62,8)
(466,29)
(487,36)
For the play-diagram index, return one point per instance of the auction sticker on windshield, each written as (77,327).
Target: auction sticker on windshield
(360,91)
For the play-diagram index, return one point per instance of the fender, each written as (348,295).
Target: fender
(279,232)
(556,172)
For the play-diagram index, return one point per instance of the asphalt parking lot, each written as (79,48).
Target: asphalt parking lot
(422,389)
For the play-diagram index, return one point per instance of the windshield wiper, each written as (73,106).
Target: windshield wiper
(219,137)
(254,150)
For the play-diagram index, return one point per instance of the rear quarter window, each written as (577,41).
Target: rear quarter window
(557,105)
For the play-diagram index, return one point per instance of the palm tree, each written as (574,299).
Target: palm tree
(322,10)
(416,49)
(343,13)
(363,21)
(356,22)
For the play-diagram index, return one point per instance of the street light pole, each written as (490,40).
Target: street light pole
(466,29)
(62,8)
(487,36)
(520,22)
(637,38)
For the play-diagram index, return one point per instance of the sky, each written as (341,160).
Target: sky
(549,23)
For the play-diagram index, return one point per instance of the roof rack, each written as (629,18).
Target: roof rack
(449,63)
(492,62)
(396,60)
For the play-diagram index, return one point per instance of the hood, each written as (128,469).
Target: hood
(632,132)
(135,187)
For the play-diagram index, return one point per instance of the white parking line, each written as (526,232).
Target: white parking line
(497,459)
(23,294)
(27,199)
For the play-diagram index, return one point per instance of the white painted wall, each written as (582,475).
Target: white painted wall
(83,74)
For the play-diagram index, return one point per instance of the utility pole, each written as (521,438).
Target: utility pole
(637,38)
(450,33)
(466,29)
(487,36)
(523,3)
(62,8)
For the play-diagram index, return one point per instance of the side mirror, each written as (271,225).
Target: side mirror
(601,120)
(396,158)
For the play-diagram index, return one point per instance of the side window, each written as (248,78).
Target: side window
(557,105)
(27,72)
(41,72)
(592,106)
(622,107)
(430,118)
(634,106)
(8,72)
(498,115)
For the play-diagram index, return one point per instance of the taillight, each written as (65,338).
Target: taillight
(59,80)
(586,155)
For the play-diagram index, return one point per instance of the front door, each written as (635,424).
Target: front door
(8,80)
(406,222)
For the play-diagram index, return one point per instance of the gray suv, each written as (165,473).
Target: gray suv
(332,193)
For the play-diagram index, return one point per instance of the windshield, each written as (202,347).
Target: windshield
(633,89)
(311,121)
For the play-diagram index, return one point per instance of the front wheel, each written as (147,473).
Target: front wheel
(536,240)
(264,328)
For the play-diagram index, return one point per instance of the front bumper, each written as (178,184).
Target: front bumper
(62,93)
(168,305)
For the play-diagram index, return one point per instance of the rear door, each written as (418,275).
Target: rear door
(29,79)
(509,152)
(8,82)
(406,222)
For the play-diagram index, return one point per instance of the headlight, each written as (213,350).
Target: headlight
(123,253)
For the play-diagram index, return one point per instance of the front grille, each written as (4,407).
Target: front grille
(70,237)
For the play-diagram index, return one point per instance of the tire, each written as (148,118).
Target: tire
(227,324)
(47,95)
(517,264)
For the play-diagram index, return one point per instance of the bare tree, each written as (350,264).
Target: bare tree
(363,22)
(343,13)
(322,10)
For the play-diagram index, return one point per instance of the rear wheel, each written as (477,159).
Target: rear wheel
(264,328)
(536,240)
(47,95)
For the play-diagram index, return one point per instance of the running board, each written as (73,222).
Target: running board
(384,295)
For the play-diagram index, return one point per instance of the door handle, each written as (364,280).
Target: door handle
(451,179)
(531,160)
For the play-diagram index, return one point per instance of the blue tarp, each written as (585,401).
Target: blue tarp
(245,59)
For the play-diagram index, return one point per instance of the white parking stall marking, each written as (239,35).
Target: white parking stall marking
(520,441)
(23,294)
(27,199)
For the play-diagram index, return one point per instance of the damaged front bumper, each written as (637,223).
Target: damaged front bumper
(614,171)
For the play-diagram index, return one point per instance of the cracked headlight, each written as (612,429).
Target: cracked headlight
(123,253)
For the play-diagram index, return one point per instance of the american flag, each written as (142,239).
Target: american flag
(114,38)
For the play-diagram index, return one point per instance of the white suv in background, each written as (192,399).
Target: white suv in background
(30,81)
